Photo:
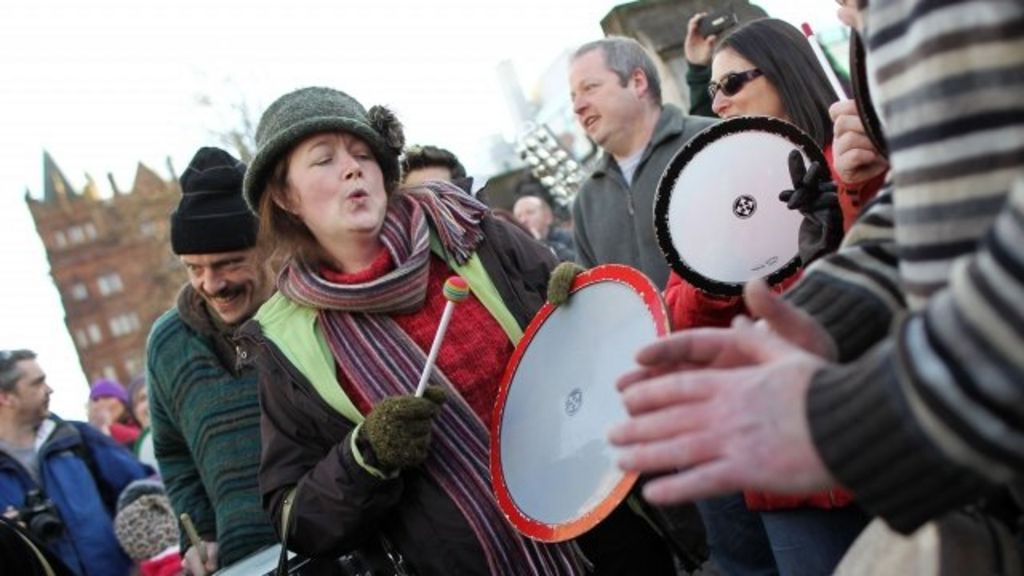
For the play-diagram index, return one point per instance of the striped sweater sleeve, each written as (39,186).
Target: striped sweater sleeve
(934,414)
(929,420)
(178,469)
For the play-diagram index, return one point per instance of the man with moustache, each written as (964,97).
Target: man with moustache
(58,478)
(203,400)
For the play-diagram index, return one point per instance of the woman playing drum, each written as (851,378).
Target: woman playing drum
(352,459)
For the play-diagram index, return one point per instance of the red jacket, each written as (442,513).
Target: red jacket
(690,307)
(853,197)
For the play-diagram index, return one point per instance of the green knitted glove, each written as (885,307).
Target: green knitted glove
(561,282)
(398,428)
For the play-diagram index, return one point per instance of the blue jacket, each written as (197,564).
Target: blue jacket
(67,459)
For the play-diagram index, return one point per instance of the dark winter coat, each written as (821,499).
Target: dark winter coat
(338,505)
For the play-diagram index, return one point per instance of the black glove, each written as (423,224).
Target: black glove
(561,282)
(398,428)
(814,195)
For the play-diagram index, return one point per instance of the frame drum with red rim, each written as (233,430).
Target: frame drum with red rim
(553,471)
(717,213)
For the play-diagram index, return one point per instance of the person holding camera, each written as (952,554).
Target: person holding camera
(702,32)
(59,479)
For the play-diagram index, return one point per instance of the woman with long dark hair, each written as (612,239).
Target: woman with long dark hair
(767,68)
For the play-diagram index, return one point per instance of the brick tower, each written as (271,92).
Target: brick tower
(112,263)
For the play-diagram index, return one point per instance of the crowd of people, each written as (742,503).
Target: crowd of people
(864,416)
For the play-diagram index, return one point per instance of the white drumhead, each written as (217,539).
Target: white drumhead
(719,218)
(556,472)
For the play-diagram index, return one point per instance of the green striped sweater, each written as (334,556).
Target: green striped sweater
(206,436)
(925,300)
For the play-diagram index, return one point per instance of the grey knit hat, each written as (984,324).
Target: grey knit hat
(308,111)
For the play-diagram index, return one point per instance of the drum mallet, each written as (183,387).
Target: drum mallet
(193,536)
(455,290)
(823,61)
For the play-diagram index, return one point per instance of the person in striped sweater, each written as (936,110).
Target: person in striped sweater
(895,367)
(203,402)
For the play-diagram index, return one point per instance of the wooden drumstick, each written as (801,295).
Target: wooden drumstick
(193,536)
(455,290)
(825,66)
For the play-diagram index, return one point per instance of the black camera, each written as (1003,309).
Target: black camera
(40,515)
(716,22)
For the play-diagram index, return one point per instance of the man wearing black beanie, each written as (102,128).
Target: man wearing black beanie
(203,400)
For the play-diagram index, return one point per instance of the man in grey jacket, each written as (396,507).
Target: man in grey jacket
(616,96)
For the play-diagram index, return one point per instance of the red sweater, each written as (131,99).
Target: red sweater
(475,348)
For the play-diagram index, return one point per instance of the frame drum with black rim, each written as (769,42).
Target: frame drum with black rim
(553,471)
(862,94)
(717,213)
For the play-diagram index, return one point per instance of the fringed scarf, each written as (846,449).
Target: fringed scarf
(381,360)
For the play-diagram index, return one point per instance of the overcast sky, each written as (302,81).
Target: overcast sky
(106,84)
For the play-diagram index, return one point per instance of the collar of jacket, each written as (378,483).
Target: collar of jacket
(194,313)
(53,435)
(670,124)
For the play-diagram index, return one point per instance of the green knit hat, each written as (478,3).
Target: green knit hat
(308,111)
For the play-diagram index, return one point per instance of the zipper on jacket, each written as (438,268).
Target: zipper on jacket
(286,525)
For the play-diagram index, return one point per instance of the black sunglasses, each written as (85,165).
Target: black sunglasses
(733,82)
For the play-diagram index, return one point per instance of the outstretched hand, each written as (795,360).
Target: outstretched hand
(730,417)
(723,409)
(703,348)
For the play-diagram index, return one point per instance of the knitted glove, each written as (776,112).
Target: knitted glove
(814,195)
(561,282)
(397,430)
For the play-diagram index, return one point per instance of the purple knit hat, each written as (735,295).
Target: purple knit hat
(104,388)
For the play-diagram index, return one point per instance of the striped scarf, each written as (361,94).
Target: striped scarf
(376,356)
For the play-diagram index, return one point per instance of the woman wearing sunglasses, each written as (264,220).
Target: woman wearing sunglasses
(767,68)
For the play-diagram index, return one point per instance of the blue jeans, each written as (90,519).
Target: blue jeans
(811,541)
(736,537)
